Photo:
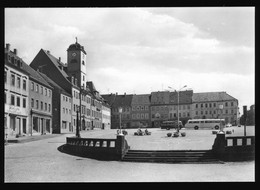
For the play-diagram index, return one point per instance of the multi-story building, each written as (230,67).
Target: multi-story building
(72,78)
(106,115)
(215,105)
(16,97)
(165,105)
(140,110)
(61,108)
(120,101)
(40,93)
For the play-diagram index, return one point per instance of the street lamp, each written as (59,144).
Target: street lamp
(77,127)
(220,123)
(120,112)
(178,104)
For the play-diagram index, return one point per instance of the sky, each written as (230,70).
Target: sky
(140,50)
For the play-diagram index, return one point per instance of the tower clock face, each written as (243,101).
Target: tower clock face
(74,54)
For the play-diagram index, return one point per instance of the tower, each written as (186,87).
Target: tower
(76,59)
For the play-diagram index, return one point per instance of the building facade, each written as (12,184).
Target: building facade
(215,105)
(106,115)
(140,111)
(16,97)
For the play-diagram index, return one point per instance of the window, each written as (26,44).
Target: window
(214,104)
(226,104)
(63,98)
(74,107)
(49,93)
(32,86)
(201,105)
(24,84)
(12,100)
(12,79)
(5,97)
(206,105)
(66,99)
(41,105)
(210,105)
(32,102)
(37,87)
(206,112)
(46,92)
(196,105)
(63,110)
(188,107)
(201,112)
(37,104)
(66,111)
(232,111)
(5,76)
(24,102)
(196,112)
(18,101)
(41,90)
(49,107)
(45,106)
(232,103)
(226,111)
(18,82)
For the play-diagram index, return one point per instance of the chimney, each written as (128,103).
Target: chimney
(15,51)
(48,51)
(116,93)
(76,82)
(8,47)
(72,79)
(59,59)
(125,94)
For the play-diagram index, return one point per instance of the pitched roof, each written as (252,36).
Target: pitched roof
(141,99)
(52,83)
(35,75)
(211,97)
(57,63)
(118,100)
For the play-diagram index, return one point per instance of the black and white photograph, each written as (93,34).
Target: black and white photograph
(129,94)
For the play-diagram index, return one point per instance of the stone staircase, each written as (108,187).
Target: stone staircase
(171,156)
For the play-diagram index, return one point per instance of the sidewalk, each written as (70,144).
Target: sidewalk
(24,139)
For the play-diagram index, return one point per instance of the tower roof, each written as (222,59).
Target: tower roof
(76,46)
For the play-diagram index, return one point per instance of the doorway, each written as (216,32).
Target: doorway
(24,125)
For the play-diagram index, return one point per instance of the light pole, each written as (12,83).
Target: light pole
(120,112)
(220,123)
(77,127)
(178,104)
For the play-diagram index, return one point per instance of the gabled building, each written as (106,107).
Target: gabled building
(215,105)
(165,104)
(120,101)
(16,95)
(140,111)
(61,108)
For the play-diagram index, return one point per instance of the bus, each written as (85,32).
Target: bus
(204,124)
(170,125)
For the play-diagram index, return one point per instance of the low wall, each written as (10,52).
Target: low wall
(237,148)
(102,149)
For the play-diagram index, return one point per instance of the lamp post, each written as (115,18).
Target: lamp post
(120,112)
(220,123)
(178,104)
(77,127)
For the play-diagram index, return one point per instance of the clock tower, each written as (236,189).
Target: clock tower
(76,59)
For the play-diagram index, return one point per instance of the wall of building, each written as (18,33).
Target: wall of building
(65,112)
(16,97)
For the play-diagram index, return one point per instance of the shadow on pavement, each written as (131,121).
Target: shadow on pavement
(66,149)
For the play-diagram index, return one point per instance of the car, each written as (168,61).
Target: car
(228,125)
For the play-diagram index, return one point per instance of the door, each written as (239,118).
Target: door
(42,127)
(48,128)
(24,125)
(18,125)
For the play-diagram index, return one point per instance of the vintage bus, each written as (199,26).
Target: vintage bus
(205,124)
(170,125)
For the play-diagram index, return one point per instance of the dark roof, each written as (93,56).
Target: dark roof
(52,83)
(57,63)
(76,46)
(35,75)
(211,97)
(118,100)
(141,99)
